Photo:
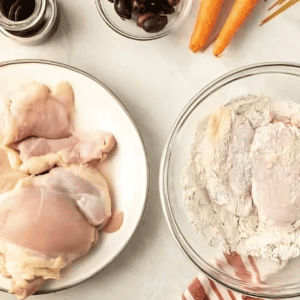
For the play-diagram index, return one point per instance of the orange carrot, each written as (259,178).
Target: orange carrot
(238,14)
(206,19)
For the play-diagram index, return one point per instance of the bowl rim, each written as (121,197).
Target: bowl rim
(186,8)
(287,68)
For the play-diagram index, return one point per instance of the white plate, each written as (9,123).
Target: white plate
(126,170)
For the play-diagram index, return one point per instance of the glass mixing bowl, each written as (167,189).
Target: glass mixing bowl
(129,28)
(280,81)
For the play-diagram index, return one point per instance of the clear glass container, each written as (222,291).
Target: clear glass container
(129,28)
(36,28)
(280,81)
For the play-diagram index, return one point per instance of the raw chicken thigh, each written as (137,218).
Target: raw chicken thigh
(77,146)
(73,199)
(36,111)
(39,155)
(276,173)
(47,220)
(87,188)
(225,155)
(54,218)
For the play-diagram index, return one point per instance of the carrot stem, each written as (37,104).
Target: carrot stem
(276,3)
(238,14)
(278,11)
(206,19)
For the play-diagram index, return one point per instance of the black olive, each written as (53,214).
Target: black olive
(162,7)
(134,15)
(141,19)
(123,8)
(152,23)
(166,8)
(173,2)
(138,6)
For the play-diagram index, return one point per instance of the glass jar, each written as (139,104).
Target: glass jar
(33,23)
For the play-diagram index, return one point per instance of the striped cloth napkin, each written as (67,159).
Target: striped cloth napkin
(246,268)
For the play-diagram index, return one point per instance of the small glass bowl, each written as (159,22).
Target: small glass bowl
(279,81)
(129,28)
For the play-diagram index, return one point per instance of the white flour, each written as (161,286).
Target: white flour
(231,222)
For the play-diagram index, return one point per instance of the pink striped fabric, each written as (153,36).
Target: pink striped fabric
(248,269)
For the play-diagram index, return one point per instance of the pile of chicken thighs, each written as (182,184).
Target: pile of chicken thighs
(53,201)
(248,156)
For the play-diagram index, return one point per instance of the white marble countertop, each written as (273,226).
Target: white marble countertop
(154,80)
